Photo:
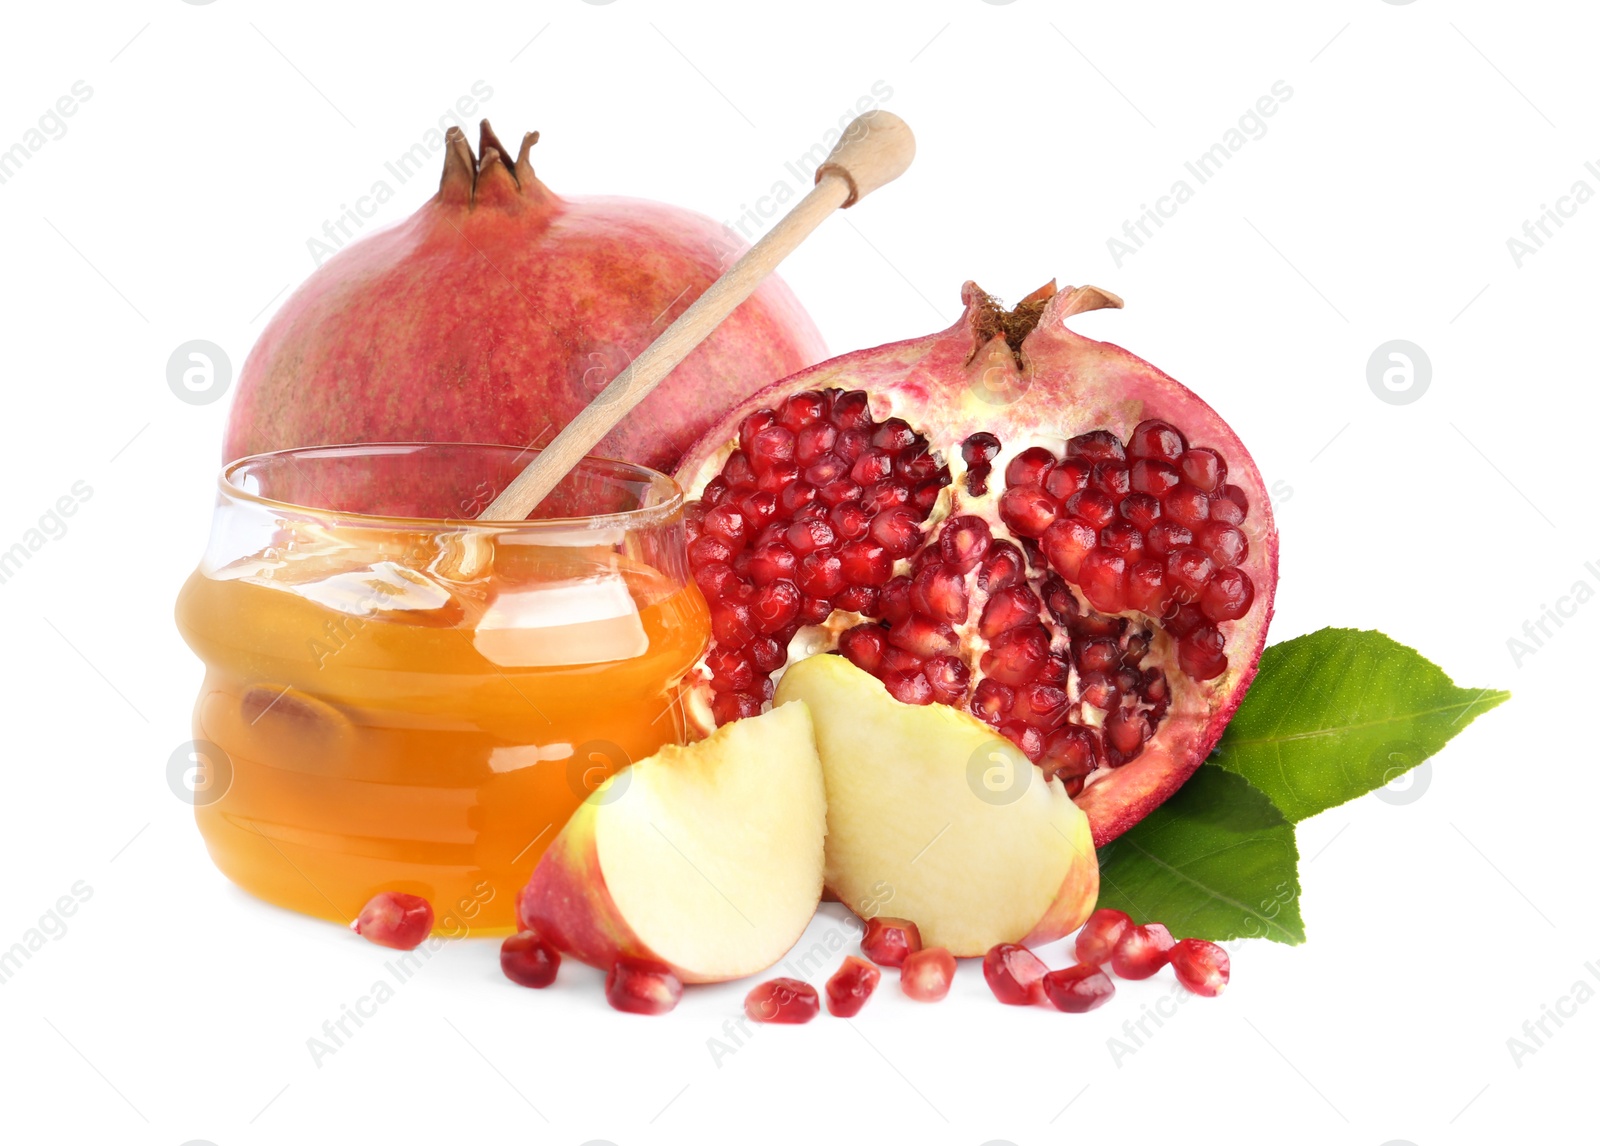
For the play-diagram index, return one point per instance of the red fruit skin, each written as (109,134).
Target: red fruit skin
(528,960)
(640,987)
(1064,385)
(926,975)
(783,1001)
(1100,934)
(1141,951)
(1201,966)
(395,919)
(851,986)
(1013,974)
(497,311)
(888,942)
(1079,988)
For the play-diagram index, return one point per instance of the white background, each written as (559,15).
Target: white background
(1418,139)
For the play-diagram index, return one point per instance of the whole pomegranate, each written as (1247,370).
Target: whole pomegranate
(1007,517)
(497,311)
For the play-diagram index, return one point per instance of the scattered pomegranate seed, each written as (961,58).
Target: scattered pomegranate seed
(888,941)
(528,960)
(782,1001)
(1013,974)
(1141,951)
(1100,934)
(851,986)
(641,987)
(1079,988)
(1200,965)
(395,919)
(927,974)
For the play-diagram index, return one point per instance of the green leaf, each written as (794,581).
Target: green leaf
(1337,713)
(1216,861)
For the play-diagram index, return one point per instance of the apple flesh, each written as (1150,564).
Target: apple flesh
(933,817)
(706,859)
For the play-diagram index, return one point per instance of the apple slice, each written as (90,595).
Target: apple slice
(934,817)
(705,858)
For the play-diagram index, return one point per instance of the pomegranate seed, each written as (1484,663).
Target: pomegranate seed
(1153,478)
(1103,578)
(1110,478)
(1002,568)
(766,654)
(894,436)
(837,492)
(1029,467)
(730,706)
(1187,506)
(885,495)
(1013,974)
(1227,596)
(1027,510)
(1200,966)
(715,579)
(731,670)
(1204,469)
(716,489)
(1015,657)
(774,606)
(894,599)
(940,592)
(1165,536)
(1096,446)
(1125,732)
(770,448)
(909,687)
(887,941)
(1141,951)
(897,531)
(1098,690)
(809,536)
(395,919)
(1067,478)
(641,987)
(813,443)
(850,410)
(1200,654)
(1188,569)
(1006,610)
(1066,544)
(1141,509)
(1044,706)
(857,599)
(1078,988)
(707,549)
(926,495)
(871,467)
(949,678)
(926,975)
(913,466)
(1226,545)
(736,471)
(1156,439)
(801,410)
(726,523)
(753,425)
(991,701)
(528,960)
(852,443)
(964,541)
(897,660)
(730,623)
(1154,688)
(866,563)
(782,1000)
(1146,587)
(770,563)
(851,986)
(815,610)
(1091,507)
(863,646)
(1124,539)
(1227,511)
(791,500)
(1069,753)
(923,636)
(850,522)
(1186,620)
(1099,936)
(820,575)
(980,448)
(1026,737)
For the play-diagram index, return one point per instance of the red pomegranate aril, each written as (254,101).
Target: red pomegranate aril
(851,986)
(716,580)
(1141,951)
(707,550)
(1069,753)
(1091,507)
(1067,478)
(1154,688)
(1044,706)
(894,436)
(1201,966)
(1185,620)
(837,491)
(1002,567)
(1146,587)
(731,671)
(1077,989)
(1200,654)
(1026,737)
(1154,478)
(753,425)
(851,410)
(883,496)
(964,541)
(1097,446)
(909,687)
(1013,973)
(782,1000)
(855,599)
(866,563)
(1111,479)
(863,646)
(1015,656)
(726,706)
(1124,539)
(1028,510)
(640,987)
(1007,609)
(793,498)
(923,636)
(827,470)
(894,599)
(1165,536)
(1098,654)
(802,410)
(913,468)
(1102,579)
(730,623)
(1098,690)
(394,919)
(949,678)
(897,531)
(1029,467)
(980,449)
(1187,506)
(1125,732)
(899,661)
(813,443)
(1227,596)
(1188,570)
(716,489)
(775,479)
(871,467)
(1153,438)
(1099,935)
(737,471)
(527,960)
(769,563)
(766,654)
(820,575)
(926,975)
(1141,510)
(809,536)
(770,448)
(992,701)
(1204,469)
(940,592)
(1066,544)
(887,940)
(726,523)
(774,606)
(1226,544)
(850,522)
(1226,511)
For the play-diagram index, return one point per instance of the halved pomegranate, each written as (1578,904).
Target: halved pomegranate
(1006,517)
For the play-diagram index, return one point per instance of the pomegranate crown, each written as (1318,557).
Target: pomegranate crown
(492,175)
